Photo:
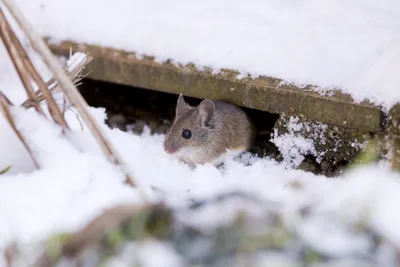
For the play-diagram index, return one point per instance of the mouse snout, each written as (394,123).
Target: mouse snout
(170,149)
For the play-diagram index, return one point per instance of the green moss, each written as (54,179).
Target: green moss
(369,155)
(263,93)
(332,143)
(311,256)
(114,238)
(3,171)
(54,245)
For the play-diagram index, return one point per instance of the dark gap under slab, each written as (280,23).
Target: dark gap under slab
(131,108)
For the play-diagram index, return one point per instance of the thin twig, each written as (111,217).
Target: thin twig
(9,253)
(5,104)
(6,35)
(74,74)
(6,100)
(64,107)
(52,105)
(68,88)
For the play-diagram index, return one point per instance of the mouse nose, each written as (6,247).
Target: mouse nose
(169,148)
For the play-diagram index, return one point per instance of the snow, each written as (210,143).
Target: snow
(293,147)
(351,45)
(302,137)
(76,182)
(165,256)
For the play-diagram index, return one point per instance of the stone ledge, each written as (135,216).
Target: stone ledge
(267,94)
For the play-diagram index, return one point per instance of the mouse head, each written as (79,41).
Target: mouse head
(191,128)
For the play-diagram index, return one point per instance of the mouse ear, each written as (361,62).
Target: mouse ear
(206,111)
(181,105)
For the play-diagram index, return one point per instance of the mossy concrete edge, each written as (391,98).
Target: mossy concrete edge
(266,93)
(393,126)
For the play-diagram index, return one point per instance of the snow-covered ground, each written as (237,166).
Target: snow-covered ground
(76,182)
(353,45)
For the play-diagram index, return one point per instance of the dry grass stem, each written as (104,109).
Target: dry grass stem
(68,88)
(5,104)
(7,35)
(75,74)
(27,71)
(8,254)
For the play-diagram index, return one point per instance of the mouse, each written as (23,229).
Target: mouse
(209,132)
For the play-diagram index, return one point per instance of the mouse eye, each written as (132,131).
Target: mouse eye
(186,134)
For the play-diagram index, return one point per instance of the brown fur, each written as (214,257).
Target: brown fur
(215,125)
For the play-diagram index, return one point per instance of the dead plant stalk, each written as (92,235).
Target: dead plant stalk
(29,72)
(6,36)
(5,104)
(68,87)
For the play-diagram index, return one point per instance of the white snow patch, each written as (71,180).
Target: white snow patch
(352,45)
(148,254)
(301,138)
(76,182)
(293,145)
